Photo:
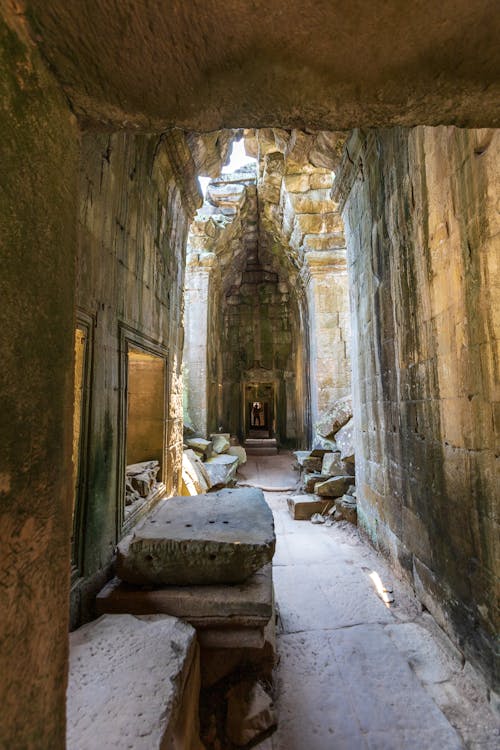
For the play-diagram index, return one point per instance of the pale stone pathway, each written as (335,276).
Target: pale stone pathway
(355,673)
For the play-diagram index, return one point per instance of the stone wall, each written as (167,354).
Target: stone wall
(38,204)
(422,228)
(137,198)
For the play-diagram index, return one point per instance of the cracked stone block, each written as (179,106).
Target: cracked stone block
(312,464)
(310,480)
(201,446)
(222,537)
(133,682)
(344,440)
(194,474)
(220,443)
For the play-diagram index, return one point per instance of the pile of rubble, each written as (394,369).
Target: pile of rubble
(210,464)
(328,471)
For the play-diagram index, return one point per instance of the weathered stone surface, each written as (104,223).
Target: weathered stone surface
(222,537)
(309,480)
(345,441)
(333,466)
(128,681)
(333,487)
(222,469)
(302,507)
(239,452)
(248,604)
(194,474)
(250,713)
(335,418)
(220,443)
(312,464)
(201,446)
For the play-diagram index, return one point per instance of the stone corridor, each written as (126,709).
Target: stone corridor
(355,673)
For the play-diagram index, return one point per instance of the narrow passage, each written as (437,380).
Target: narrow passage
(354,672)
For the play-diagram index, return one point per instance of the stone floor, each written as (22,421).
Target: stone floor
(356,673)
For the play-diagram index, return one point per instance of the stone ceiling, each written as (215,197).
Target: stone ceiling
(206,64)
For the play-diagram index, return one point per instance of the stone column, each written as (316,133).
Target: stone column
(197,288)
(327,291)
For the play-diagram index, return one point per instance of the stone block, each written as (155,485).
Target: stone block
(333,487)
(300,456)
(321,446)
(312,464)
(335,418)
(220,443)
(133,682)
(309,480)
(244,605)
(346,509)
(222,537)
(333,466)
(239,452)
(201,446)
(345,441)
(194,474)
(222,469)
(302,507)
(250,713)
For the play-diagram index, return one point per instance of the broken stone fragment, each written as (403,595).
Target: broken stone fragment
(300,456)
(344,440)
(200,445)
(222,537)
(333,466)
(222,470)
(310,480)
(250,713)
(333,487)
(220,443)
(322,445)
(317,518)
(140,480)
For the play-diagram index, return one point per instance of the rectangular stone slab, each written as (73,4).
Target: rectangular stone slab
(302,507)
(248,604)
(222,537)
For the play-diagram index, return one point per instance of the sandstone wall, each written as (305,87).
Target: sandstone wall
(136,203)
(38,203)
(422,228)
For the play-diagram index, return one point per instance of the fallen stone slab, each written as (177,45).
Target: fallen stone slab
(223,537)
(133,682)
(310,480)
(333,487)
(201,446)
(245,605)
(333,466)
(222,470)
(220,443)
(302,507)
(344,440)
(194,474)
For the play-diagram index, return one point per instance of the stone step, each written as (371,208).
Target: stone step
(133,682)
(302,507)
(261,442)
(261,451)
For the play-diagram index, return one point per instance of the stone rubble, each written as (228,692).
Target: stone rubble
(140,480)
(250,713)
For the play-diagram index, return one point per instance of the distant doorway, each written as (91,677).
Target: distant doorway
(259,411)
(258,415)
